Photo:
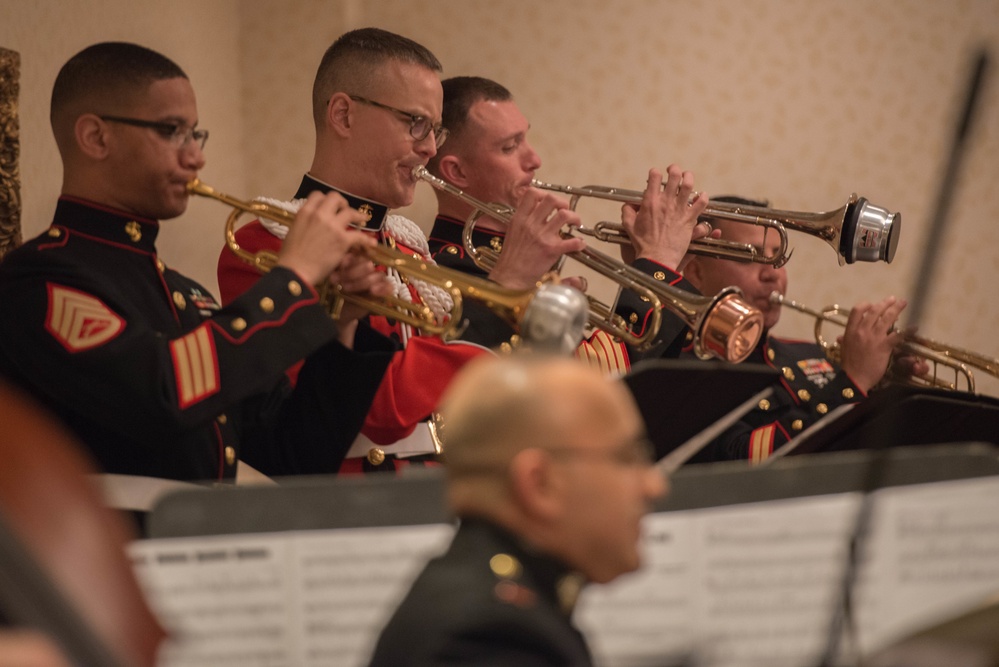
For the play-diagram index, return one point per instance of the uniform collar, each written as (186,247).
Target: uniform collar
(376,212)
(527,566)
(106,224)
(450,229)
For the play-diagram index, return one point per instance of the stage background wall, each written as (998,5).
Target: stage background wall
(802,103)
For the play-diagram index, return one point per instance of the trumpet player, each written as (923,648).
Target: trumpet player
(137,359)
(377,110)
(810,385)
(489,156)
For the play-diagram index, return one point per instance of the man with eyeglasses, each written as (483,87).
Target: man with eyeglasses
(139,360)
(376,105)
(490,158)
(549,475)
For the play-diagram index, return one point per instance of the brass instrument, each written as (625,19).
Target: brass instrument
(940,356)
(550,316)
(857,231)
(724,325)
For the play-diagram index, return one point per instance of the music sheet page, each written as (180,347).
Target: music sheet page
(304,598)
(736,585)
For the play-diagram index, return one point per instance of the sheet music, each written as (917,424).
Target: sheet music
(935,554)
(736,585)
(309,598)
(756,584)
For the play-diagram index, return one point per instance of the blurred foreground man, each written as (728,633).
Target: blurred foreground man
(550,475)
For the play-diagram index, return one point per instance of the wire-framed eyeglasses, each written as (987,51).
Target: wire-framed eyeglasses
(419,126)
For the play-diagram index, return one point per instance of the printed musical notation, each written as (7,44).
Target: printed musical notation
(735,585)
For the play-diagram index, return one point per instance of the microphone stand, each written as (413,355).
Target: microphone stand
(877,469)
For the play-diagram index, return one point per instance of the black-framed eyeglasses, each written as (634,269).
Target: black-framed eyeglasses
(177,134)
(419,126)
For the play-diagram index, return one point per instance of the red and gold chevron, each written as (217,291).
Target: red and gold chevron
(78,320)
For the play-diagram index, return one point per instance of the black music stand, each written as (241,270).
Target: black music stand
(901,415)
(681,398)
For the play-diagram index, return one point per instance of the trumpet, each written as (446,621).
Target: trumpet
(858,231)
(550,316)
(958,364)
(724,325)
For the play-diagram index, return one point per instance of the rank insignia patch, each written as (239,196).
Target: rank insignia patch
(80,321)
(195,369)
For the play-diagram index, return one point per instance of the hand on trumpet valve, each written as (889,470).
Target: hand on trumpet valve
(870,340)
(321,237)
(535,240)
(358,275)
(665,222)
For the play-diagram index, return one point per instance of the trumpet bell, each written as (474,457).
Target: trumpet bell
(730,329)
(554,320)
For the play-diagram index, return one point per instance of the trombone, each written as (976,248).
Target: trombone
(858,231)
(724,325)
(958,362)
(550,315)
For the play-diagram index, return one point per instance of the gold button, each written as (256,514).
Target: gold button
(646,299)
(797,425)
(295,288)
(496,243)
(230,456)
(659,275)
(848,393)
(267,304)
(505,348)
(238,324)
(804,395)
(452,250)
(179,300)
(689,337)
(822,408)
(771,354)
(505,566)
(764,404)
(160,265)
(222,419)
(788,373)
(54,233)
(633,318)
(515,341)
(376,456)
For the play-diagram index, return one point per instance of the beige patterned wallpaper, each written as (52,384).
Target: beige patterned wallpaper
(801,102)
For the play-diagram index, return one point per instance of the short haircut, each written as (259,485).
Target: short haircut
(105,75)
(351,63)
(460,93)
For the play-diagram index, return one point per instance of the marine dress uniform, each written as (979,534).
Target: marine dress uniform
(155,378)
(600,349)
(488,601)
(809,386)
(396,431)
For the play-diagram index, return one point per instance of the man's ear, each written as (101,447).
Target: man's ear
(340,114)
(92,138)
(535,484)
(452,170)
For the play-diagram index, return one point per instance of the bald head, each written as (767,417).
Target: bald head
(500,406)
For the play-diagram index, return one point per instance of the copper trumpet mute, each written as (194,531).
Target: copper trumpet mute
(730,330)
